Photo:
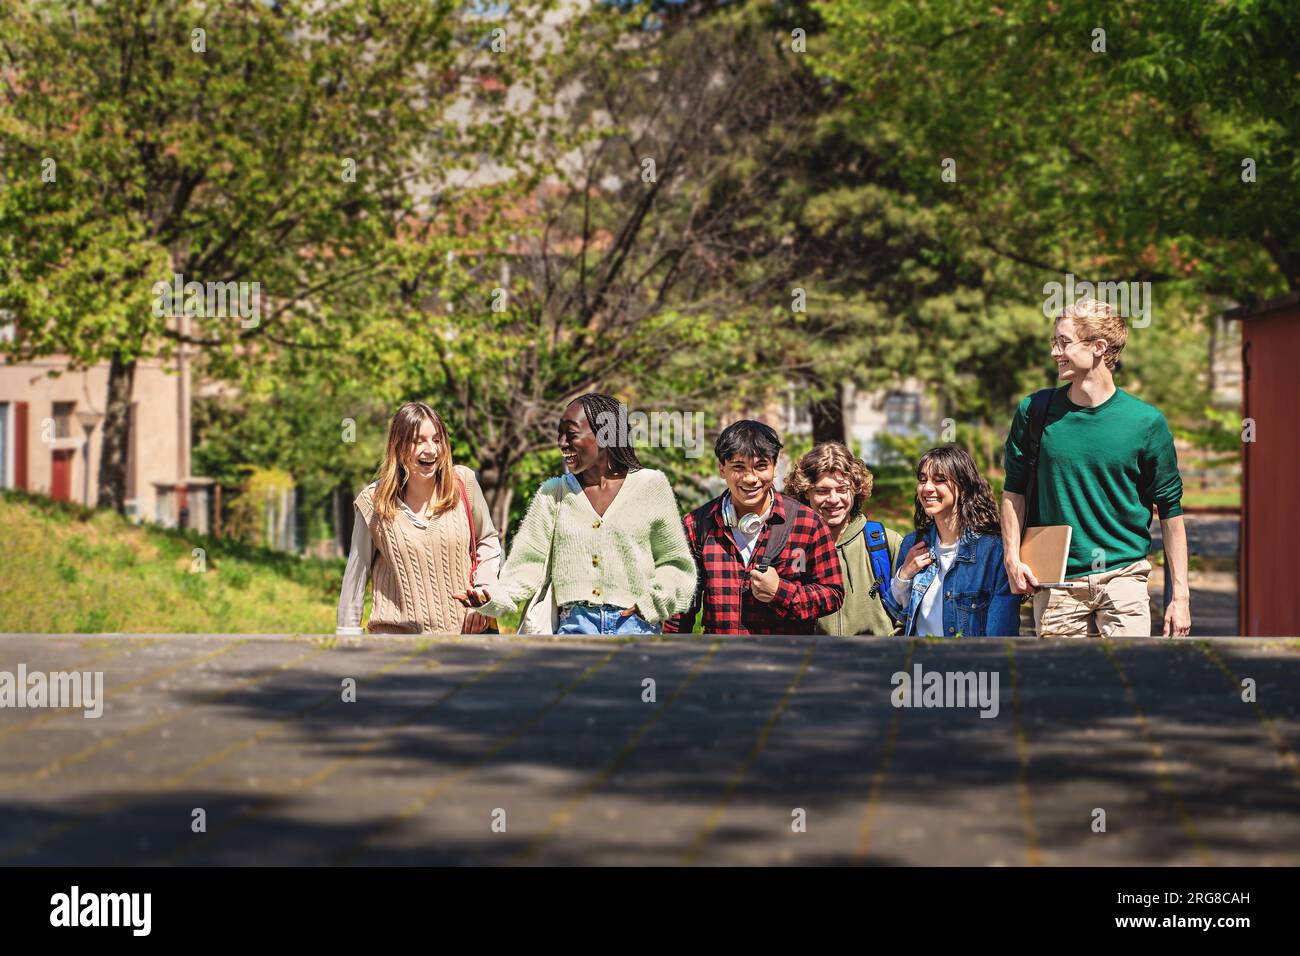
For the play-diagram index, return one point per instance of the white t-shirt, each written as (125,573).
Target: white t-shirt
(745,542)
(929,616)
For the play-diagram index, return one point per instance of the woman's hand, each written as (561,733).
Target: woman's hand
(475,597)
(918,559)
(630,611)
(474,623)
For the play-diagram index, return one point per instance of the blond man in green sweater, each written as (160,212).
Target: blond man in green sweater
(606,537)
(1105,460)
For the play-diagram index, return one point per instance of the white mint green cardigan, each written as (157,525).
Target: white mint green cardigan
(636,554)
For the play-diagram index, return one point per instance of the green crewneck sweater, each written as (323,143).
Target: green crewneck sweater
(1100,470)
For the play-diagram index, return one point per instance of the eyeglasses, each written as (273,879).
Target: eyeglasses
(1056,342)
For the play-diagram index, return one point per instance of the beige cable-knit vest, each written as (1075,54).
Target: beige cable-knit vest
(417,570)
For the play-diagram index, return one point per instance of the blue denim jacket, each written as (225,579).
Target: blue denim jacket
(977,598)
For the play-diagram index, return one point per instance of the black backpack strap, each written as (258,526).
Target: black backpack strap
(700,524)
(778,533)
(1038,406)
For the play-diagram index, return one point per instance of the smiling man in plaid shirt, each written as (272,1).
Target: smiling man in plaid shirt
(730,536)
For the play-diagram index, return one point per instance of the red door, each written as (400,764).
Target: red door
(1270,514)
(61,475)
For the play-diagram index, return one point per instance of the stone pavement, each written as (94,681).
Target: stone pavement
(1208,535)
(1212,543)
(518,751)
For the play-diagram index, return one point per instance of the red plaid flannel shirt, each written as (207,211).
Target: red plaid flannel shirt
(802,597)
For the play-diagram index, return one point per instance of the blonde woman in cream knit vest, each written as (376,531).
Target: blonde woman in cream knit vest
(607,535)
(422,527)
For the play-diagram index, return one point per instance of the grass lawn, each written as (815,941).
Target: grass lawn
(1212,497)
(67,569)
(64,569)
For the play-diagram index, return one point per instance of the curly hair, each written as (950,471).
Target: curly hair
(830,458)
(975,508)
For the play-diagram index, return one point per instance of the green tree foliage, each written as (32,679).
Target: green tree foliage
(876,287)
(228,142)
(1105,139)
(622,251)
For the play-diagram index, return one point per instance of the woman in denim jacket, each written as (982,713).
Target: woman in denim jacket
(952,582)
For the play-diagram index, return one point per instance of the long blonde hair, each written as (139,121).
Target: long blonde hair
(403,431)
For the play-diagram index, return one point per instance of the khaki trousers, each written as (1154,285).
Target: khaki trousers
(1114,604)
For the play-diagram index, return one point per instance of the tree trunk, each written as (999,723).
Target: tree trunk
(828,419)
(493,478)
(1213,347)
(117,435)
(501,512)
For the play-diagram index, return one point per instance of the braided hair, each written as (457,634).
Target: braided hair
(601,409)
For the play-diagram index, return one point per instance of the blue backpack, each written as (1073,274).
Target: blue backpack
(878,549)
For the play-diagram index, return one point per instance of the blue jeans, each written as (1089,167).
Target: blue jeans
(603,620)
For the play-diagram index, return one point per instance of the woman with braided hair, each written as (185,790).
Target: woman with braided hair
(606,537)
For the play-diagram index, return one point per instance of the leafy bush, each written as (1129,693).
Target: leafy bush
(246,519)
(237,576)
(1220,432)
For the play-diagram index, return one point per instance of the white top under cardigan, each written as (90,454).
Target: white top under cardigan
(929,616)
(635,554)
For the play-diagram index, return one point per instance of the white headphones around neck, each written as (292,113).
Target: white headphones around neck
(750,523)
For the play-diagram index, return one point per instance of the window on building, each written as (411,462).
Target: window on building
(63,419)
(902,410)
